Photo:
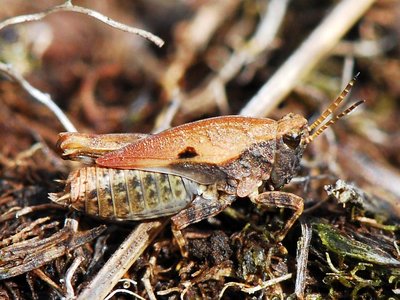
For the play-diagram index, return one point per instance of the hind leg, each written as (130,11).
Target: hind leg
(198,210)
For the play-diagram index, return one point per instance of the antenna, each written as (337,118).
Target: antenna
(332,121)
(333,106)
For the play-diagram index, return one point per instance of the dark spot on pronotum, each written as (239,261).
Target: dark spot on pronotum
(189,152)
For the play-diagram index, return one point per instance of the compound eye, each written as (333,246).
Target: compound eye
(292,141)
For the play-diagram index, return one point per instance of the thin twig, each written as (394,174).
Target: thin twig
(66,7)
(69,7)
(252,289)
(38,96)
(307,56)
(193,39)
(164,119)
(146,278)
(262,39)
(126,283)
(303,246)
(123,291)
(122,259)
(348,70)
(43,276)
(68,277)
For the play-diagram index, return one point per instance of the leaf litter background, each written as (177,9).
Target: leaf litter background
(108,81)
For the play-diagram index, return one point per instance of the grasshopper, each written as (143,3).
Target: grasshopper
(192,171)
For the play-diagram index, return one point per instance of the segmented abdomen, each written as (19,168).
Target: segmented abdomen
(125,194)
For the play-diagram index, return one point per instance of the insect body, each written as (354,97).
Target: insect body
(192,171)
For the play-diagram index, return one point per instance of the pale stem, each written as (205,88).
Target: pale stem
(317,46)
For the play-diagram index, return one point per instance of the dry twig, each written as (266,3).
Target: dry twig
(300,63)
(69,7)
(38,96)
(68,277)
(303,246)
(28,255)
(122,259)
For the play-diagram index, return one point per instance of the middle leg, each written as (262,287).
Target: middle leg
(281,200)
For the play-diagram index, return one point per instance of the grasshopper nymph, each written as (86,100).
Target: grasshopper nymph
(192,171)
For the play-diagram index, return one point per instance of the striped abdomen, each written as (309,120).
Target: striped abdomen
(125,194)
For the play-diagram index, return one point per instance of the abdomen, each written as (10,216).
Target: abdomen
(125,194)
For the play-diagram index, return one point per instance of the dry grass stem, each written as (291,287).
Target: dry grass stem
(303,247)
(122,260)
(318,45)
